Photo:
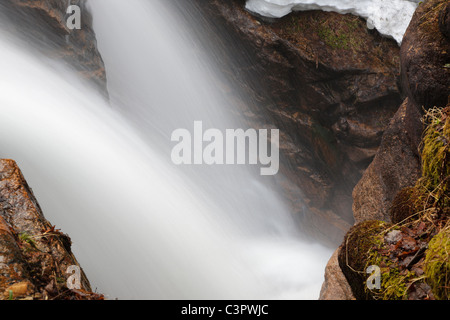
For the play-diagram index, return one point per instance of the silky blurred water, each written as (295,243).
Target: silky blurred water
(142,227)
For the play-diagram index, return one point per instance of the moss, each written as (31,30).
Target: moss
(419,213)
(437,265)
(293,27)
(333,39)
(435,181)
(359,243)
(340,36)
(365,246)
(436,150)
(406,204)
(394,281)
(26,238)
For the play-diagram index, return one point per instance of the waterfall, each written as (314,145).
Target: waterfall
(142,227)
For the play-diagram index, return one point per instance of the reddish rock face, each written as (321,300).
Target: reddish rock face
(43,24)
(34,255)
(328,84)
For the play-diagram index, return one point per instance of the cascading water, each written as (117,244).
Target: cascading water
(142,227)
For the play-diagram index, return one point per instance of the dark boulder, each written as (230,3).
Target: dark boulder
(425,56)
(396,166)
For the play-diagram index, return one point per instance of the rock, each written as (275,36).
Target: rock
(20,289)
(390,188)
(396,166)
(398,255)
(444,21)
(328,83)
(420,214)
(33,253)
(425,56)
(43,24)
(335,286)
(353,257)
(393,237)
(405,205)
(426,81)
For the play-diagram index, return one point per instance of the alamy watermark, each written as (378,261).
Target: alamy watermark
(74,280)
(74,19)
(374,280)
(229,147)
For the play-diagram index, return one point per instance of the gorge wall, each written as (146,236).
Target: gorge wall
(387,190)
(328,83)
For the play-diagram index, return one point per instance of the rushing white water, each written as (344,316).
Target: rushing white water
(389,17)
(143,228)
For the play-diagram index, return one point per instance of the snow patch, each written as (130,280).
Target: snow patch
(390,17)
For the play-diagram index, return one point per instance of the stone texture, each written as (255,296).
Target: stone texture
(335,286)
(425,56)
(444,21)
(425,82)
(34,255)
(328,84)
(396,166)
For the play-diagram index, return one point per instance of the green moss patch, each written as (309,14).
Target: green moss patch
(437,265)
(436,150)
(412,254)
(355,253)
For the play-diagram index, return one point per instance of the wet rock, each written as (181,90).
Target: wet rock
(387,190)
(43,24)
(328,83)
(33,253)
(335,286)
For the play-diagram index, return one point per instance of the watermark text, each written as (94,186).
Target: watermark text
(233,146)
